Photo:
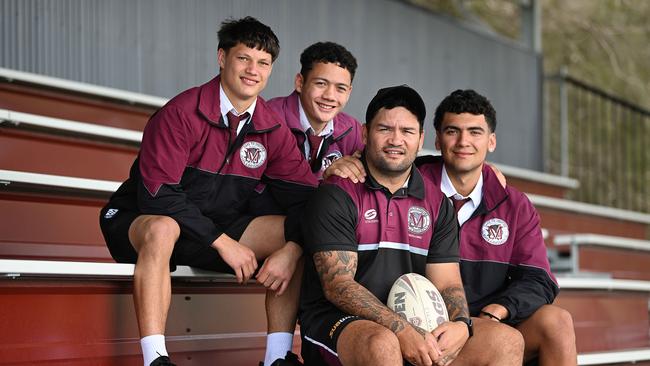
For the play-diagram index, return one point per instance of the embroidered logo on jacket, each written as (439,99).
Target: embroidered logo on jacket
(370,214)
(330,158)
(495,231)
(252,154)
(419,220)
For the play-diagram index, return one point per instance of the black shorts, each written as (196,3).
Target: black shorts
(115,226)
(319,339)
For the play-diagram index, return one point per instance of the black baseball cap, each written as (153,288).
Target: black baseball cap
(397,96)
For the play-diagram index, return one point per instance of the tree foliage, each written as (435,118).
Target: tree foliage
(603,42)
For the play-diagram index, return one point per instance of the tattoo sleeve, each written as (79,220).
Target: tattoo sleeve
(454,297)
(336,270)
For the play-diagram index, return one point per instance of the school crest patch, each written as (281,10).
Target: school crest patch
(419,220)
(329,159)
(495,231)
(252,154)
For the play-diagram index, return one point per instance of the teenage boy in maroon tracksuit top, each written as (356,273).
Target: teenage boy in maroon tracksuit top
(186,199)
(313,111)
(360,237)
(504,266)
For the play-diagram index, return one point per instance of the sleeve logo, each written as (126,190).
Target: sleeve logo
(110,213)
(495,231)
(252,154)
(419,220)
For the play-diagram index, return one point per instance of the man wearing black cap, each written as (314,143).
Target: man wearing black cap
(360,237)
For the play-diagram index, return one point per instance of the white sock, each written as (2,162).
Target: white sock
(153,346)
(277,346)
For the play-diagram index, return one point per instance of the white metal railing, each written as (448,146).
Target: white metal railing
(10,178)
(576,240)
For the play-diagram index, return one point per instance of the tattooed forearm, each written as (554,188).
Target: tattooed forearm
(336,270)
(456,303)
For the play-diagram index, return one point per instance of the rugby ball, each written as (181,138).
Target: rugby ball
(417,300)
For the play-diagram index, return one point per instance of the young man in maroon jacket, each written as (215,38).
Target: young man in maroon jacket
(202,155)
(313,111)
(503,259)
(504,266)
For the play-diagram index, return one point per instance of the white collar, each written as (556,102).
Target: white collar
(306,126)
(450,191)
(226,106)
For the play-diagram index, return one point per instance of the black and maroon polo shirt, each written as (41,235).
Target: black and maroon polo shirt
(192,169)
(392,234)
(502,253)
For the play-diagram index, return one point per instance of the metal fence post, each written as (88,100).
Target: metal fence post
(564,124)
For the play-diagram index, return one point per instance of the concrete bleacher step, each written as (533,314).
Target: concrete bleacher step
(619,257)
(623,357)
(562,216)
(45,216)
(608,314)
(48,145)
(70,100)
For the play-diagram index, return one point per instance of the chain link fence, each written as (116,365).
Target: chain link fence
(600,140)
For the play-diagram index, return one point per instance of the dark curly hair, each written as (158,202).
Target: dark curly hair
(466,101)
(327,52)
(250,32)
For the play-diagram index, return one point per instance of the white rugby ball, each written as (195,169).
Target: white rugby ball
(417,300)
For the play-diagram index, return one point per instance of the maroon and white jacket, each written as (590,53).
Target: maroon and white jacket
(345,140)
(502,253)
(192,169)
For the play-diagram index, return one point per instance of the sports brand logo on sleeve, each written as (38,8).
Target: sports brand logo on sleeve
(252,154)
(495,231)
(110,213)
(419,220)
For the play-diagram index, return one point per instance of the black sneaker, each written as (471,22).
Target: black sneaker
(289,360)
(162,361)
